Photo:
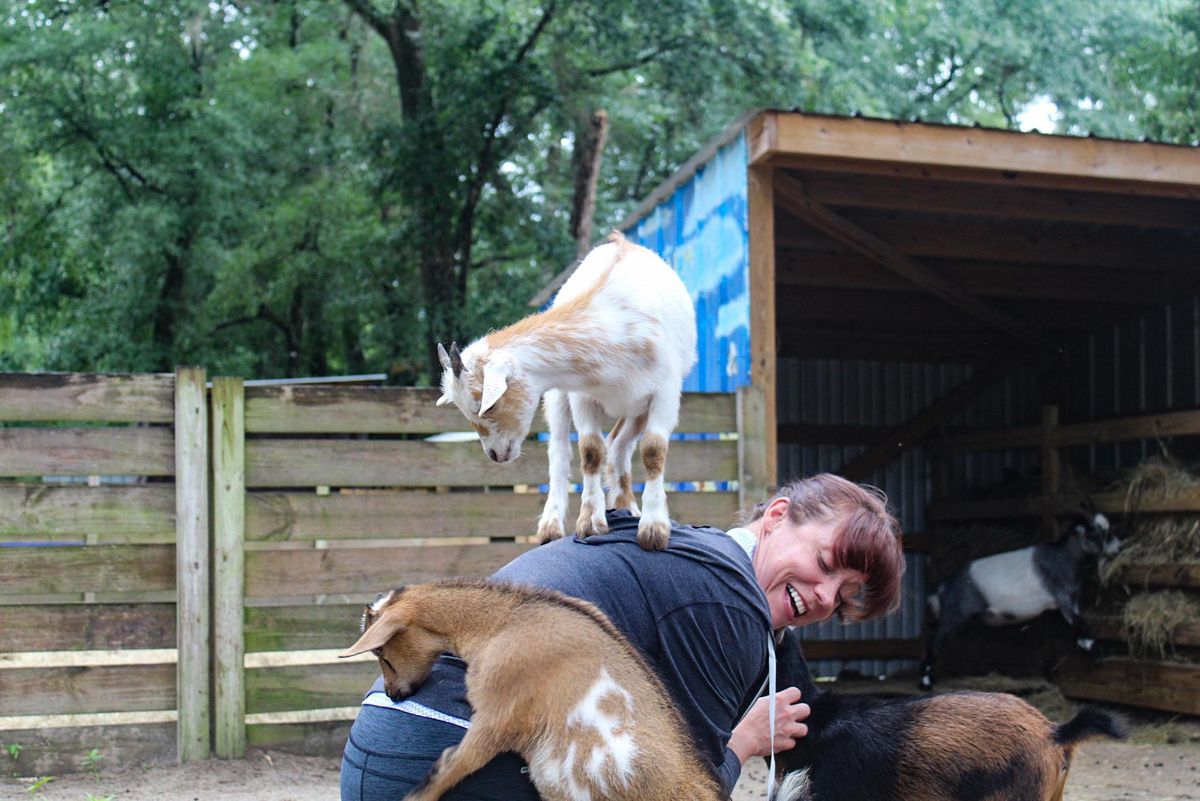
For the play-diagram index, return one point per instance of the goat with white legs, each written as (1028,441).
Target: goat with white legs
(1016,586)
(618,341)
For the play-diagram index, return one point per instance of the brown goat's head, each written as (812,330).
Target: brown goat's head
(405,649)
(490,391)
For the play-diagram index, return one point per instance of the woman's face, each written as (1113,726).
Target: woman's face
(794,565)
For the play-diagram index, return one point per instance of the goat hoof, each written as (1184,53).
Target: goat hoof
(549,530)
(590,523)
(653,535)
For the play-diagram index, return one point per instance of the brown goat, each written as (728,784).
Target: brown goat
(550,678)
(964,746)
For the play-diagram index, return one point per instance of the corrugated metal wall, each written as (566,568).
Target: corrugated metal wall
(702,231)
(1150,364)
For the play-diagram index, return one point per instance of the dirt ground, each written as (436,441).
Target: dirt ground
(1103,772)
(1160,762)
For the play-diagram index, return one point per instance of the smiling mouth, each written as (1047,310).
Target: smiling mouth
(798,607)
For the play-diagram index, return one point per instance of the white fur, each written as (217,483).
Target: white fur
(641,306)
(1010,585)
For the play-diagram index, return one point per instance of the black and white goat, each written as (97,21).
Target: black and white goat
(961,746)
(1016,586)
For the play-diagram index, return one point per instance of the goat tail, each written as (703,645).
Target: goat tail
(795,786)
(1090,722)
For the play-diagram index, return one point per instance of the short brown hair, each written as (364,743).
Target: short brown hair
(867,538)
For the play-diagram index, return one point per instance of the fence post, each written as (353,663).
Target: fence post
(229,579)
(192,563)
(756,447)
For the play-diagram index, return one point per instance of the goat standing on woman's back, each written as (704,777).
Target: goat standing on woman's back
(618,341)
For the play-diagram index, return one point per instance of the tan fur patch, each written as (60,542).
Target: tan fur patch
(591,453)
(482,431)
(654,455)
(625,499)
(506,414)
(947,734)
(561,320)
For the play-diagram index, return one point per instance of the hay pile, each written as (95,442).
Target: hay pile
(1149,618)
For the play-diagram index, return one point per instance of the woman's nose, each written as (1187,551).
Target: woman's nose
(826,593)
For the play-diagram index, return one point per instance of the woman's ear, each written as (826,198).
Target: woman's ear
(775,513)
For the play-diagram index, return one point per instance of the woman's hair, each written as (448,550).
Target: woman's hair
(867,538)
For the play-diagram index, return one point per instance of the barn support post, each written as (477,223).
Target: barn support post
(192,566)
(229,575)
(757,421)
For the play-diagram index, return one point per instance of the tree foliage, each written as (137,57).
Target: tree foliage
(298,187)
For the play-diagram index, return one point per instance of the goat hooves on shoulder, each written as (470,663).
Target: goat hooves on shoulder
(653,535)
(590,522)
(549,530)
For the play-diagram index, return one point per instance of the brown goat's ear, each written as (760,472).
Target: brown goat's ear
(377,635)
(456,362)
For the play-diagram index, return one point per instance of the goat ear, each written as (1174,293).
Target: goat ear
(456,362)
(443,357)
(495,381)
(442,401)
(377,635)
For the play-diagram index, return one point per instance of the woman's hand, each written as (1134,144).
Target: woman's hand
(750,738)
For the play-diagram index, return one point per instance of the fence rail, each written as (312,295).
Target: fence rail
(134,620)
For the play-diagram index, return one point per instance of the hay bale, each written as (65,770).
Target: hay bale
(1156,540)
(1149,619)
(1160,477)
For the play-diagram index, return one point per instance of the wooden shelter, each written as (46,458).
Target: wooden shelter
(931,307)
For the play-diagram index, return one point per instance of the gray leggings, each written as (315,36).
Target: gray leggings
(389,753)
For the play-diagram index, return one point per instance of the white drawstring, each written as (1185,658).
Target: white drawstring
(771,714)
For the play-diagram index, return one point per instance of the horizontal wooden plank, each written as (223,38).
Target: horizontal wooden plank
(87,568)
(301,627)
(899,648)
(1175,574)
(1111,503)
(280,689)
(293,572)
(76,627)
(310,739)
(82,397)
(362,514)
(125,451)
(382,463)
(129,513)
(1168,686)
(66,690)
(1111,627)
(410,410)
(57,751)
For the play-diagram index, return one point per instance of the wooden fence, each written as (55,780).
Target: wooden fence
(1169,686)
(321,497)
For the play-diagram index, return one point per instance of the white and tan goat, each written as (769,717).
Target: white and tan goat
(549,678)
(618,340)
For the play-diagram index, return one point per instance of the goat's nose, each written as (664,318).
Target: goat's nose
(493,455)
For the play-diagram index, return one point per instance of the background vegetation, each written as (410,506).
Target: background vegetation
(310,187)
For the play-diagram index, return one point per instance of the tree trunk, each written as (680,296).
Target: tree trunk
(587,177)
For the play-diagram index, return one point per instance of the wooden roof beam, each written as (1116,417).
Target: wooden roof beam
(955,152)
(791,195)
(1063,283)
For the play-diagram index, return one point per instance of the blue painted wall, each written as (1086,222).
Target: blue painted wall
(702,230)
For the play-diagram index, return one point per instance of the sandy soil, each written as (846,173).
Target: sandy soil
(1103,772)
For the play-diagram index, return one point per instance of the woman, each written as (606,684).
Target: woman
(702,612)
